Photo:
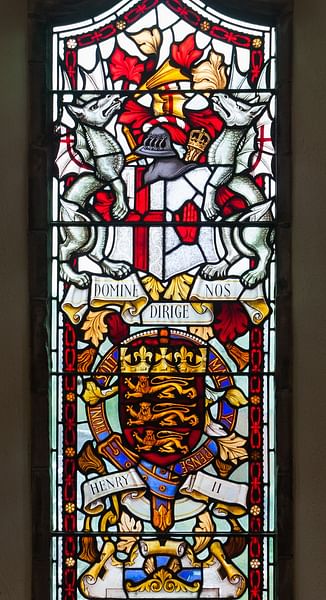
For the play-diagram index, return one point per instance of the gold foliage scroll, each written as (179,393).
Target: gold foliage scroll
(178,288)
(232,448)
(153,286)
(148,40)
(236,397)
(204,524)
(89,462)
(210,74)
(164,581)
(95,326)
(93,394)
(128,524)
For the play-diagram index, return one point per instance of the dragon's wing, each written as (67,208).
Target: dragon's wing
(262,159)
(91,69)
(257,212)
(65,82)
(81,146)
(246,151)
(256,150)
(238,79)
(71,159)
(92,79)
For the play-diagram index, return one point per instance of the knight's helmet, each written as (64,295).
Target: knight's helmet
(157,144)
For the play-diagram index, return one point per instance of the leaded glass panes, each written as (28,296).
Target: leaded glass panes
(163,305)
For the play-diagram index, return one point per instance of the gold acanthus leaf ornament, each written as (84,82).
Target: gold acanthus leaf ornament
(153,286)
(179,287)
(149,565)
(93,394)
(204,524)
(236,397)
(85,359)
(89,462)
(210,74)
(148,40)
(95,326)
(164,581)
(128,524)
(232,448)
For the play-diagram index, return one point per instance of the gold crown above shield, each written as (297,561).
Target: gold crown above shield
(198,141)
(163,360)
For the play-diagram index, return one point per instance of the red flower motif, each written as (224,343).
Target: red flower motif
(126,67)
(185,53)
(231,321)
(136,115)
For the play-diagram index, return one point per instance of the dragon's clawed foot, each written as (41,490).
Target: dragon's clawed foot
(119,210)
(211,212)
(215,271)
(252,277)
(117,270)
(81,280)
(210,208)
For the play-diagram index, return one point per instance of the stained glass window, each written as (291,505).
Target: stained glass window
(163,209)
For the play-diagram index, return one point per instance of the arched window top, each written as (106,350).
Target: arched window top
(246,47)
(65,12)
(139,12)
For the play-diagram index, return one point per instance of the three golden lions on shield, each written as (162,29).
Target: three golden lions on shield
(164,412)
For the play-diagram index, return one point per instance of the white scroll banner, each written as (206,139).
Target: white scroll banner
(128,293)
(75,303)
(231,289)
(215,488)
(95,490)
(176,313)
(106,291)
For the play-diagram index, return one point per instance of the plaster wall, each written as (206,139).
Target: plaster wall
(309,212)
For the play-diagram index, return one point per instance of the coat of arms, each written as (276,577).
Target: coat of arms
(165,435)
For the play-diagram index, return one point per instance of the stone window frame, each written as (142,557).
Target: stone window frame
(44,14)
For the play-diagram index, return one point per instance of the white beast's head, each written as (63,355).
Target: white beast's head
(235,112)
(98,111)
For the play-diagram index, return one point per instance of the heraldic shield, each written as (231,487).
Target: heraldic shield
(162,396)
